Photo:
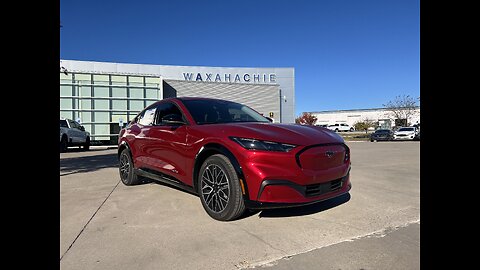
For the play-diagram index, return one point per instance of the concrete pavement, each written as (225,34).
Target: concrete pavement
(152,226)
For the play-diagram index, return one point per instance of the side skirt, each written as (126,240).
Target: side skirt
(158,176)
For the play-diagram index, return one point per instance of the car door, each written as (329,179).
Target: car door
(141,132)
(80,134)
(74,132)
(167,143)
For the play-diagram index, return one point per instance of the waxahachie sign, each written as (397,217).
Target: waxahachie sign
(227,77)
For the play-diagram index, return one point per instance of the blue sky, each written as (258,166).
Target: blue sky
(347,54)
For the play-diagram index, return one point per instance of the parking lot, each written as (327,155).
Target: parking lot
(106,225)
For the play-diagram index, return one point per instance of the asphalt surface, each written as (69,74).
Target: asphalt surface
(106,225)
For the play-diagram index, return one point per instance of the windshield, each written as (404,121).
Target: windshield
(221,111)
(406,129)
(63,123)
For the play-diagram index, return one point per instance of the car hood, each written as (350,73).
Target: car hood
(404,132)
(284,133)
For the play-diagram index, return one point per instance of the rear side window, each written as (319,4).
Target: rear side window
(147,117)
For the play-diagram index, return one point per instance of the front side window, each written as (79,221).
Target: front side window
(147,117)
(221,111)
(72,124)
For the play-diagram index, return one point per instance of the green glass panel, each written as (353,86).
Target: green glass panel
(119,92)
(65,103)
(101,104)
(136,93)
(100,91)
(66,90)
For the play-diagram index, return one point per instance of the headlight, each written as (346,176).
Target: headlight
(252,144)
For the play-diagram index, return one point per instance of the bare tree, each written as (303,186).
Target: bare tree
(402,107)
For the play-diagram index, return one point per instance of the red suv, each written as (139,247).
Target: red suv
(232,157)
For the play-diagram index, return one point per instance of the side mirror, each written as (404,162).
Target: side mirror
(269,119)
(173,119)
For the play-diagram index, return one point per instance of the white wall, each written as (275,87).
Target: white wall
(352,116)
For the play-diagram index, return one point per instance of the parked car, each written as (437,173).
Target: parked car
(382,135)
(405,133)
(73,134)
(340,127)
(232,157)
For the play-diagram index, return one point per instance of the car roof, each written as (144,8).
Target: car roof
(200,98)
(190,98)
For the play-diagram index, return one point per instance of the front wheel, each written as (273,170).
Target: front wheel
(126,169)
(219,189)
(86,146)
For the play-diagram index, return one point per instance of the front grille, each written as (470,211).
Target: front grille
(319,189)
(401,135)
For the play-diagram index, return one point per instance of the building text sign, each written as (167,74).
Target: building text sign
(235,78)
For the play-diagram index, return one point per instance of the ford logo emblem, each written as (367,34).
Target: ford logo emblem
(329,154)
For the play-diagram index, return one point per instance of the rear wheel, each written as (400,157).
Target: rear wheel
(219,189)
(86,146)
(351,129)
(126,169)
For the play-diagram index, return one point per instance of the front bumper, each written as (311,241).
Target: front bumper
(381,138)
(251,204)
(407,137)
(280,180)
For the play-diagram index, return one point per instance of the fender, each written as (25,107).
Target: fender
(214,148)
(122,145)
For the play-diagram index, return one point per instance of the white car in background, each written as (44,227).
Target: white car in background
(340,127)
(73,134)
(405,133)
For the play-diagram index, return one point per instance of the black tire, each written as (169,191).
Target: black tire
(126,169)
(217,175)
(371,140)
(86,146)
(336,130)
(64,144)
(351,129)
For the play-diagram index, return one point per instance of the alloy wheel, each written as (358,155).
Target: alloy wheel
(215,188)
(124,167)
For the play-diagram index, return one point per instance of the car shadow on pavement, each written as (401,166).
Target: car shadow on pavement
(305,210)
(87,163)
(276,213)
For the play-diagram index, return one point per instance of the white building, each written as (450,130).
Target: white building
(350,117)
(103,95)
